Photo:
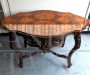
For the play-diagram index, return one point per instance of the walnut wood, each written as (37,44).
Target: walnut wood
(13,45)
(43,24)
(44,17)
(20,56)
(12,40)
(63,56)
(77,38)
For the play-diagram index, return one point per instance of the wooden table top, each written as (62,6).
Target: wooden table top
(45,22)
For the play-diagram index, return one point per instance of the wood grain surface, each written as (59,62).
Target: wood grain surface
(45,22)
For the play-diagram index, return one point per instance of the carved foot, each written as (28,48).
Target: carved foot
(69,62)
(21,62)
(21,65)
(69,65)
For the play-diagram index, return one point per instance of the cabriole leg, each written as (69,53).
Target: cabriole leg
(77,39)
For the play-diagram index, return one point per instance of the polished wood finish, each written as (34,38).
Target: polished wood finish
(45,30)
(44,17)
(49,27)
(60,21)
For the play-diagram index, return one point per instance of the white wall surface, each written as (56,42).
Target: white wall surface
(75,6)
(5,7)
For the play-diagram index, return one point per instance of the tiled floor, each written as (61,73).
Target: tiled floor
(48,64)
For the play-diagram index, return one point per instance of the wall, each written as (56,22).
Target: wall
(75,6)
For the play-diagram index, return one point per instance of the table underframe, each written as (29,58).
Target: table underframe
(13,43)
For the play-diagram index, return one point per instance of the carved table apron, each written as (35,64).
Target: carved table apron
(49,27)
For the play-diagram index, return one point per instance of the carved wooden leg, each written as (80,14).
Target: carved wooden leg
(64,41)
(13,46)
(20,60)
(12,40)
(77,38)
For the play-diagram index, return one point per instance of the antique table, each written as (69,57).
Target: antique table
(49,27)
